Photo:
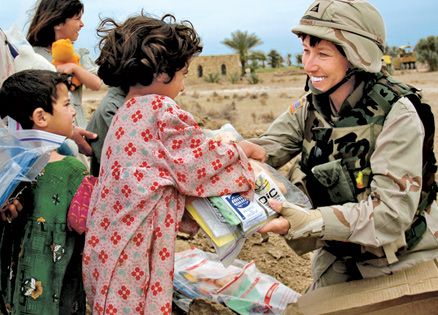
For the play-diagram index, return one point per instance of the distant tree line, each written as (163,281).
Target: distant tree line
(243,43)
(427,51)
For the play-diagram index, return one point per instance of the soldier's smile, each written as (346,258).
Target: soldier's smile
(324,63)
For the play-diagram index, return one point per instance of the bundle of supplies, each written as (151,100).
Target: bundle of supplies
(240,286)
(228,220)
(23,154)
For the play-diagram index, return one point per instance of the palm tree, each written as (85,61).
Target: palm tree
(242,42)
(299,59)
(275,59)
(258,56)
(288,60)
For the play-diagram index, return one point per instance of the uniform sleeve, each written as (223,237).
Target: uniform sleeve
(199,165)
(396,165)
(283,139)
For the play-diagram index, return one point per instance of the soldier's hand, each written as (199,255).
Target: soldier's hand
(278,225)
(294,221)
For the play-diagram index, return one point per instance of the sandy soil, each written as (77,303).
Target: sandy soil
(251,108)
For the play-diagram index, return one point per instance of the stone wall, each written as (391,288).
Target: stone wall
(223,65)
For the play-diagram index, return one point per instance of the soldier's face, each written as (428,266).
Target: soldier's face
(323,63)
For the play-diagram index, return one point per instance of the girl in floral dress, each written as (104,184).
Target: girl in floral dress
(154,156)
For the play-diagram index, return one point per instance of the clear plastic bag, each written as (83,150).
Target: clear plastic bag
(229,220)
(23,154)
(270,184)
(240,286)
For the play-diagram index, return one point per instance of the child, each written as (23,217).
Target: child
(62,19)
(154,156)
(45,277)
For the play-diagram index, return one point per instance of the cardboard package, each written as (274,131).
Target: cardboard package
(410,291)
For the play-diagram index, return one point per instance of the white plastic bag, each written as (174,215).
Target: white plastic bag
(27,58)
(23,154)
(240,286)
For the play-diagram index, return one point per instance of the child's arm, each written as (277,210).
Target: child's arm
(88,79)
(199,165)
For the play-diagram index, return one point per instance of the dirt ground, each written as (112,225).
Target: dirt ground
(250,109)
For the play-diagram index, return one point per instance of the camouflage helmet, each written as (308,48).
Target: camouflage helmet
(355,25)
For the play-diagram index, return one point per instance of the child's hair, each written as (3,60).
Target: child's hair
(27,90)
(48,14)
(142,47)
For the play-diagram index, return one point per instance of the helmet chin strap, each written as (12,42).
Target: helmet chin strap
(350,72)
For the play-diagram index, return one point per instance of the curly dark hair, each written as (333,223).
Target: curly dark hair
(27,90)
(142,47)
(48,14)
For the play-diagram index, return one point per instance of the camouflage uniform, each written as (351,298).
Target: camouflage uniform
(361,165)
(387,204)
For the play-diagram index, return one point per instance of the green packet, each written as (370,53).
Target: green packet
(227,213)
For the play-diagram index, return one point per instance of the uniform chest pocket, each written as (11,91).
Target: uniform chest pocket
(335,178)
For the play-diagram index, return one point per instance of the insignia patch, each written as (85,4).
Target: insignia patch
(297,104)
(315,8)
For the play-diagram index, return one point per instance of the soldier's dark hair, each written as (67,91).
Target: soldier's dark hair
(140,48)
(27,90)
(313,40)
(48,14)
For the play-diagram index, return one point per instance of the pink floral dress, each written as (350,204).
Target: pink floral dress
(153,157)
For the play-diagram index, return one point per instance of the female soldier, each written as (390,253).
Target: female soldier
(361,141)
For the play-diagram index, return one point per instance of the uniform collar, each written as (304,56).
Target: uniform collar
(321,103)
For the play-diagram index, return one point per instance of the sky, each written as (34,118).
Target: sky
(270,20)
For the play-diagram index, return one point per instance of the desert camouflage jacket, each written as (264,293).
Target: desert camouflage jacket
(383,210)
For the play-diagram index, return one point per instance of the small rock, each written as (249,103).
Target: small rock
(276,253)
(204,307)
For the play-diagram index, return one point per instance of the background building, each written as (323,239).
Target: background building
(223,66)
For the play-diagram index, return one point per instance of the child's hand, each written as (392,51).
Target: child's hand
(253,151)
(10,210)
(68,68)
(188,225)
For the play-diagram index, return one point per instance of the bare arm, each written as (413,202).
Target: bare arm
(88,79)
